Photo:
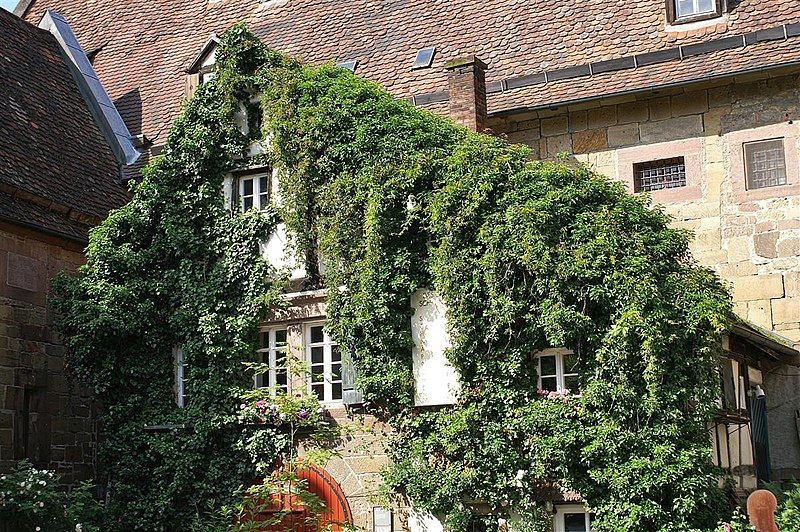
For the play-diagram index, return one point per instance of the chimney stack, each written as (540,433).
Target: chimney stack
(467,84)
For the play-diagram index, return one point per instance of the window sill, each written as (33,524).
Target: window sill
(776,192)
(695,22)
(676,195)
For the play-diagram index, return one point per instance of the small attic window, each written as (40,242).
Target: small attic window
(201,69)
(349,65)
(683,11)
(424,58)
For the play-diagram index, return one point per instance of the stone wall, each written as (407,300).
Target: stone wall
(358,458)
(751,238)
(44,417)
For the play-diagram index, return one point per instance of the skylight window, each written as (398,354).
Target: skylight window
(424,58)
(349,65)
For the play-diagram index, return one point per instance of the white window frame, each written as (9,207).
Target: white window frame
(717,9)
(258,195)
(327,383)
(181,377)
(563,509)
(560,375)
(269,355)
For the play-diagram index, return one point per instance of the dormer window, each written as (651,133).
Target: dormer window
(201,70)
(682,11)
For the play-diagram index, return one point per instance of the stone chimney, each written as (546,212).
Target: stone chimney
(467,83)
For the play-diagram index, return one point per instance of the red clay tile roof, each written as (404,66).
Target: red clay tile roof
(51,149)
(690,69)
(145,45)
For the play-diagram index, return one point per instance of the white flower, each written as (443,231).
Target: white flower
(78,527)
(42,483)
(41,504)
(38,528)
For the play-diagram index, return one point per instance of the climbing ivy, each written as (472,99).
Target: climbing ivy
(380,200)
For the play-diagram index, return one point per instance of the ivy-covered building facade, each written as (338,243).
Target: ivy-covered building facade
(692,104)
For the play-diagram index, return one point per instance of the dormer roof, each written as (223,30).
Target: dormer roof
(205,56)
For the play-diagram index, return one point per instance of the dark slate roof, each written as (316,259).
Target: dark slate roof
(56,169)
(145,46)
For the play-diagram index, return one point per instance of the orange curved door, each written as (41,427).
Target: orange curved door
(296,518)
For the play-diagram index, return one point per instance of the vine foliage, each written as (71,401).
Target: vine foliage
(526,255)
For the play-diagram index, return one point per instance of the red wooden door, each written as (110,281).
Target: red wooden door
(296,518)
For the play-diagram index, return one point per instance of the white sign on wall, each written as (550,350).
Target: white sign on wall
(436,381)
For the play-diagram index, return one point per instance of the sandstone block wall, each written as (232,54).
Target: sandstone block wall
(44,416)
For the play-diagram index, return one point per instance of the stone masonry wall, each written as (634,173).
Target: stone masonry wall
(44,417)
(750,238)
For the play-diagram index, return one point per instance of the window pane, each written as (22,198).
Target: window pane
(548,365)
(280,377)
(705,6)
(247,187)
(317,355)
(336,356)
(684,8)
(549,383)
(280,337)
(318,389)
(316,372)
(336,391)
(317,336)
(336,372)
(264,340)
(247,203)
(575,522)
(765,164)
(571,363)
(263,184)
(571,382)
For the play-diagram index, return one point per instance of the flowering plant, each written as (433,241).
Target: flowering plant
(28,498)
(565,394)
(296,409)
(30,501)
